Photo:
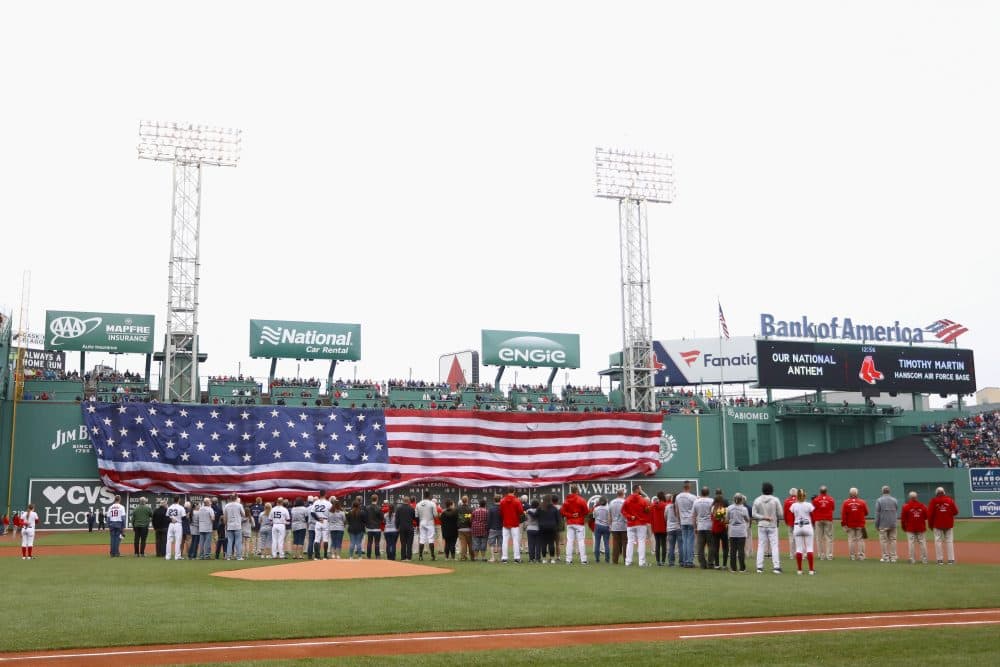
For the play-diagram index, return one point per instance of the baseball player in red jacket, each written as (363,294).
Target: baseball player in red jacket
(852,517)
(913,518)
(511,511)
(824,505)
(574,509)
(941,511)
(636,513)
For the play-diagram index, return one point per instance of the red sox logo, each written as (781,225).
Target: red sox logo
(868,372)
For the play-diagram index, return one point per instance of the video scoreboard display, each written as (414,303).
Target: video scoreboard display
(869,369)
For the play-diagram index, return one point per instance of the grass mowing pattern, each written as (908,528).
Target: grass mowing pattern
(954,647)
(73,601)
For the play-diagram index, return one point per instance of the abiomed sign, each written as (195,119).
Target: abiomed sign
(305,340)
(531,349)
(98,332)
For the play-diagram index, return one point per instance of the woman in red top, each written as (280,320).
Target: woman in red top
(658,524)
(720,537)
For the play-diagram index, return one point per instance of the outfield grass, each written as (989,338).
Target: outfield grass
(885,648)
(75,601)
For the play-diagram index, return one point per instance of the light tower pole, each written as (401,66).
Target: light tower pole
(187,147)
(635,179)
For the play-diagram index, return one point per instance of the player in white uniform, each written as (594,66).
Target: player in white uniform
(280,517)
(427,511)
(28,520)
(321,512)
(175,531)
(802,530)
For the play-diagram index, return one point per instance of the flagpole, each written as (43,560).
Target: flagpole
(722,397)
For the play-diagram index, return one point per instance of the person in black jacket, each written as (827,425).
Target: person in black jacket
(449,528)
(373,526)
(355,528)
(160,524)
(548,524)
(405,516)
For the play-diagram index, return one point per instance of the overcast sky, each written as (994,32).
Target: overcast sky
(426,169)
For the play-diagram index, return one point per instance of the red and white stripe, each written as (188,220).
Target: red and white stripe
(478,449)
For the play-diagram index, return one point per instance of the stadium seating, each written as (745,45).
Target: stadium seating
(110,391)
(233,391)
(52,390)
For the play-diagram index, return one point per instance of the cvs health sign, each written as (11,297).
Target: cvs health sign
(64,503)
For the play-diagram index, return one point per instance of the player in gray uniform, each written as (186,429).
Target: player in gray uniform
(264,535)
(310,527)
(767,512)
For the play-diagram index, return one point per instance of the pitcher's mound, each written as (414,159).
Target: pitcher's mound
(332,569)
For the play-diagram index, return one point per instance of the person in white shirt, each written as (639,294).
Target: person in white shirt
(204,520)
(683,508)
(427,511)
(767,512)
(280,517)
(116,525)
(802,530)
(232,515)
(175,531)
(28,520)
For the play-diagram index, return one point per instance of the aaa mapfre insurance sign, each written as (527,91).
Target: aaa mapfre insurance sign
(869,368)
(98,332)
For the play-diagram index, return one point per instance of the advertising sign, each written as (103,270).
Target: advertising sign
(865,368)
(98,332)
(305,340)
(986,509)
(704,361)
(64,503)
(984,480)
(856,331)
(40,361)
(531,349)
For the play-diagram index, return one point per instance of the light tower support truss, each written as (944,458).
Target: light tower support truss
(635,179)
(188,147)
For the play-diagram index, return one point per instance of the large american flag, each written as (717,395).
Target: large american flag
(288,450)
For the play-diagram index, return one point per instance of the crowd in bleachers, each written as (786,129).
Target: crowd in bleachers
(969,442)
(296,382)
(418,384)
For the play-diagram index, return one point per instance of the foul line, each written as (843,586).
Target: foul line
(544,633)
(894,626)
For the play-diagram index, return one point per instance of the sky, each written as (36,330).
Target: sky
(427,169)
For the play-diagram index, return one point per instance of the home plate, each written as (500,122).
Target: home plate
(311,570)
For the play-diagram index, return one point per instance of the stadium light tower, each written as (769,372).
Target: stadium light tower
(187,147)
(635,179)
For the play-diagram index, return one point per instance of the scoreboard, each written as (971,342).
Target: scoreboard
(869,369)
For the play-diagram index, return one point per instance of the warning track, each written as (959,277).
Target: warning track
(447,642)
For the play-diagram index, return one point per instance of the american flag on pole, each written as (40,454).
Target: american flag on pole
(722,322)
(946,330)
(286,450)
